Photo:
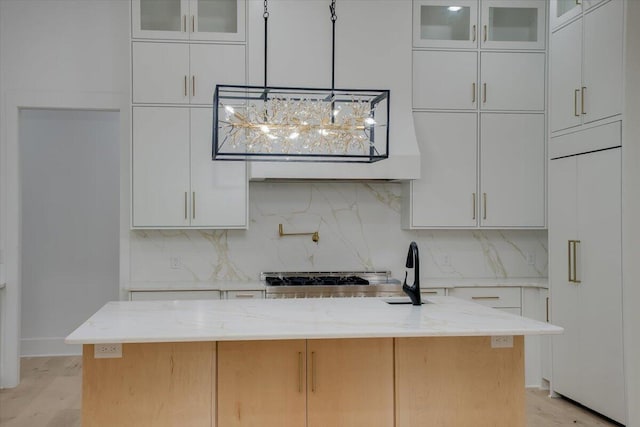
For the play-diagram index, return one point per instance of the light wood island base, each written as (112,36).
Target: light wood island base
(432,381)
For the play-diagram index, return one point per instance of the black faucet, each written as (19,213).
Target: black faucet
(413,261)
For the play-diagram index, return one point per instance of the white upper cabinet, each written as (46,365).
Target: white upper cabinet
(216,20)
(562,11)
(586,68)
(445,23)
(445,80)
(513,24)
(512,81)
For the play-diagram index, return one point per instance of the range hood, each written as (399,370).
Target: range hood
(373,50)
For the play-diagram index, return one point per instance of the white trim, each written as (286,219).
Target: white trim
(10,203)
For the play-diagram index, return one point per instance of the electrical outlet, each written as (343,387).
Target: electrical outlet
(531,258)
(175,262)
(107,351)
(505,341)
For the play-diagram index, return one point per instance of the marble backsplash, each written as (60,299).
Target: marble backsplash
(359,227)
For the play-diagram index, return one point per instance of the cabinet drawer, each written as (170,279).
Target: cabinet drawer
(491,297)
(172,295)
(244,294)
(432,292)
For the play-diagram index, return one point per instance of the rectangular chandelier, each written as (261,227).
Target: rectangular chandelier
(261,123)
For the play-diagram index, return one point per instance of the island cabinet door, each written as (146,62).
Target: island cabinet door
(350,382)
(261,383)
(459,381)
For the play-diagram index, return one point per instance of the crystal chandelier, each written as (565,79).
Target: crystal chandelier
(300,124)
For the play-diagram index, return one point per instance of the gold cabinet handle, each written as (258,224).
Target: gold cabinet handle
(245,296)
(185,205)
(193,205)
(484,93)
(484,205)
(429,292)
(474,205)
(570,279)
(485,33)
(575,102)
(547,309)
(185,86)
(485,298)
(473,32)
(473,93)
(300,372)
(313,371)
(184,23)
(193,23)
(193,85)
(582,94)
(575,261)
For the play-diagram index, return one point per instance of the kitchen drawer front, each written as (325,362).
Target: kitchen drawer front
(513,310)
(491,297)
(172,295)
(244,294)
(429,292)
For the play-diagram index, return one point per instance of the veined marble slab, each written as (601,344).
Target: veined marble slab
(196,286)
(230,320)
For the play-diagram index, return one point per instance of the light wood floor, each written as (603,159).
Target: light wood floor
(50,391)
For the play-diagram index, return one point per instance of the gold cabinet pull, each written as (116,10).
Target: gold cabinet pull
(193,85)
(193,205)
(569,261)
(582,94)
(575,102)
(185,205)
(473,93)
(300,372)
(485,33)
(484,205)
(547,309)
(193,23)
(485,298)
(474,33)
(474,205)
(575,261)
(246,296)
(185,86)
(184,23)
(313,371)
(484,93)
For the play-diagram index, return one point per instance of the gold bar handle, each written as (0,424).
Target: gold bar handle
(575,261)
(484,93)
(484,205)
(485,298)
(184,23)
(570,279)
(547,309)
(583,92)
(193,205)
(474,205)
(313,371)
(300,372)
(246,296)
(485,33)
(193,23)
(193,85)
(185,205)
(473,93)
(315,236)
(185,86)
(474,33)
(575,102)
(429,292)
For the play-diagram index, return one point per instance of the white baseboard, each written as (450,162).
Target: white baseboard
(30,347)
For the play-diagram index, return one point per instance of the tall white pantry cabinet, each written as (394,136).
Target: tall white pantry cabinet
(585,202)
(479,112)
(180,50)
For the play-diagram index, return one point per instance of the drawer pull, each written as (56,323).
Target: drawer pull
(485,298)
(300,372)
(313,371)
(244,295)
(429,292)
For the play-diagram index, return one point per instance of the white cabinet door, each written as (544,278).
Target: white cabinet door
(160,19)
(219,20)
(160,158)
(445,80)
(160,73)
(213,64)
(602,70)
(512,160)
(562,11)
(445,23)
(599,267)
(218,189)
(588,4)
(512,81)
(513,24)
(566,77)
(445,195)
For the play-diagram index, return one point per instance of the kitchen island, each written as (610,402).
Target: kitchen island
(314,362)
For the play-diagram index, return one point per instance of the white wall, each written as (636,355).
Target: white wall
(70,177)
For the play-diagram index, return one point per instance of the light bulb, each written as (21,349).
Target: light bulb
(229,109)
(454,8)
(294,135)
(264,128)
(369,121)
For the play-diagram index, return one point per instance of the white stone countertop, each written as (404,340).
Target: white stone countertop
(311,318)
(525,282)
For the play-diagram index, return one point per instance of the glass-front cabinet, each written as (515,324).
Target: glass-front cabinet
(513,24)
(218,20)
(445,23)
